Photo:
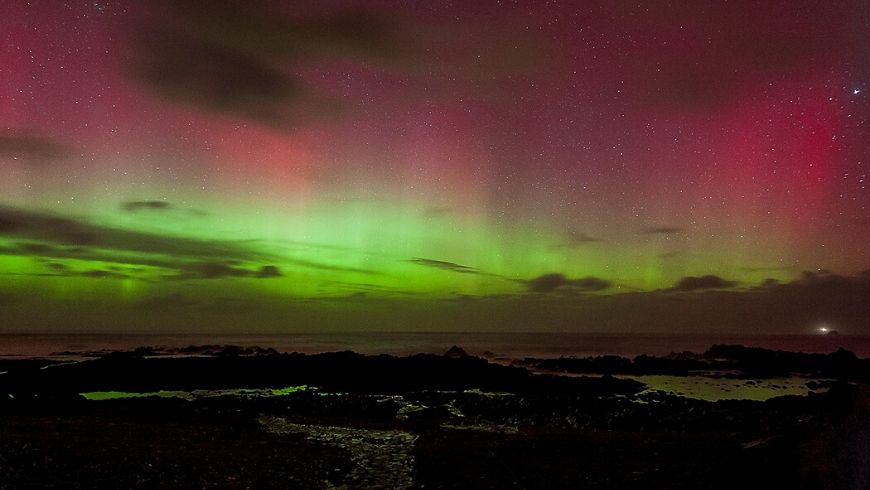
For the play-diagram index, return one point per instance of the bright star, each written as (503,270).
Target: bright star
(856,91)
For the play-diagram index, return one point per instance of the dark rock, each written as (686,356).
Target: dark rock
(456,351)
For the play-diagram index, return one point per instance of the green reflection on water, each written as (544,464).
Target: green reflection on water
(194,394)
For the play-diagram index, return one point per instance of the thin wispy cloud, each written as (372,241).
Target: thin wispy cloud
(444,265)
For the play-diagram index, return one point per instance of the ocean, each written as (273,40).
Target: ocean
(492,345)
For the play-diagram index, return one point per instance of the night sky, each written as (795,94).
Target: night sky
(594,166)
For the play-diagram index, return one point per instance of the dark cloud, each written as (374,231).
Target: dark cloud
(447,266)
(357,296)
(55,231)
(100,274)
(826,278)
(52,236)
(661,230)
(39,249)
(83,253)
(329,287)
(241,58)
(582,238)
(268,271)
(29,147)
(704,282)
(786,307)
(551,282)
(56,266)
(329,267)
(134,206)
(62,270)
(547,283)
(216,270)
(186,267)
(797,306)
(153,205)
(578,239)
(189,71)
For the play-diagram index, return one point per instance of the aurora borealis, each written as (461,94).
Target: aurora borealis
(584,166)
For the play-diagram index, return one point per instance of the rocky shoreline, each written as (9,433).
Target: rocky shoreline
(343,420)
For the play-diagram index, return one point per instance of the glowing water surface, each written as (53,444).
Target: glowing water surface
(716,388)
(194,394)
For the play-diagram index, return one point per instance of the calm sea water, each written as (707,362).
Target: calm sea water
(510,345)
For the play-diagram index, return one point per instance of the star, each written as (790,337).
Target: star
(856,91)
